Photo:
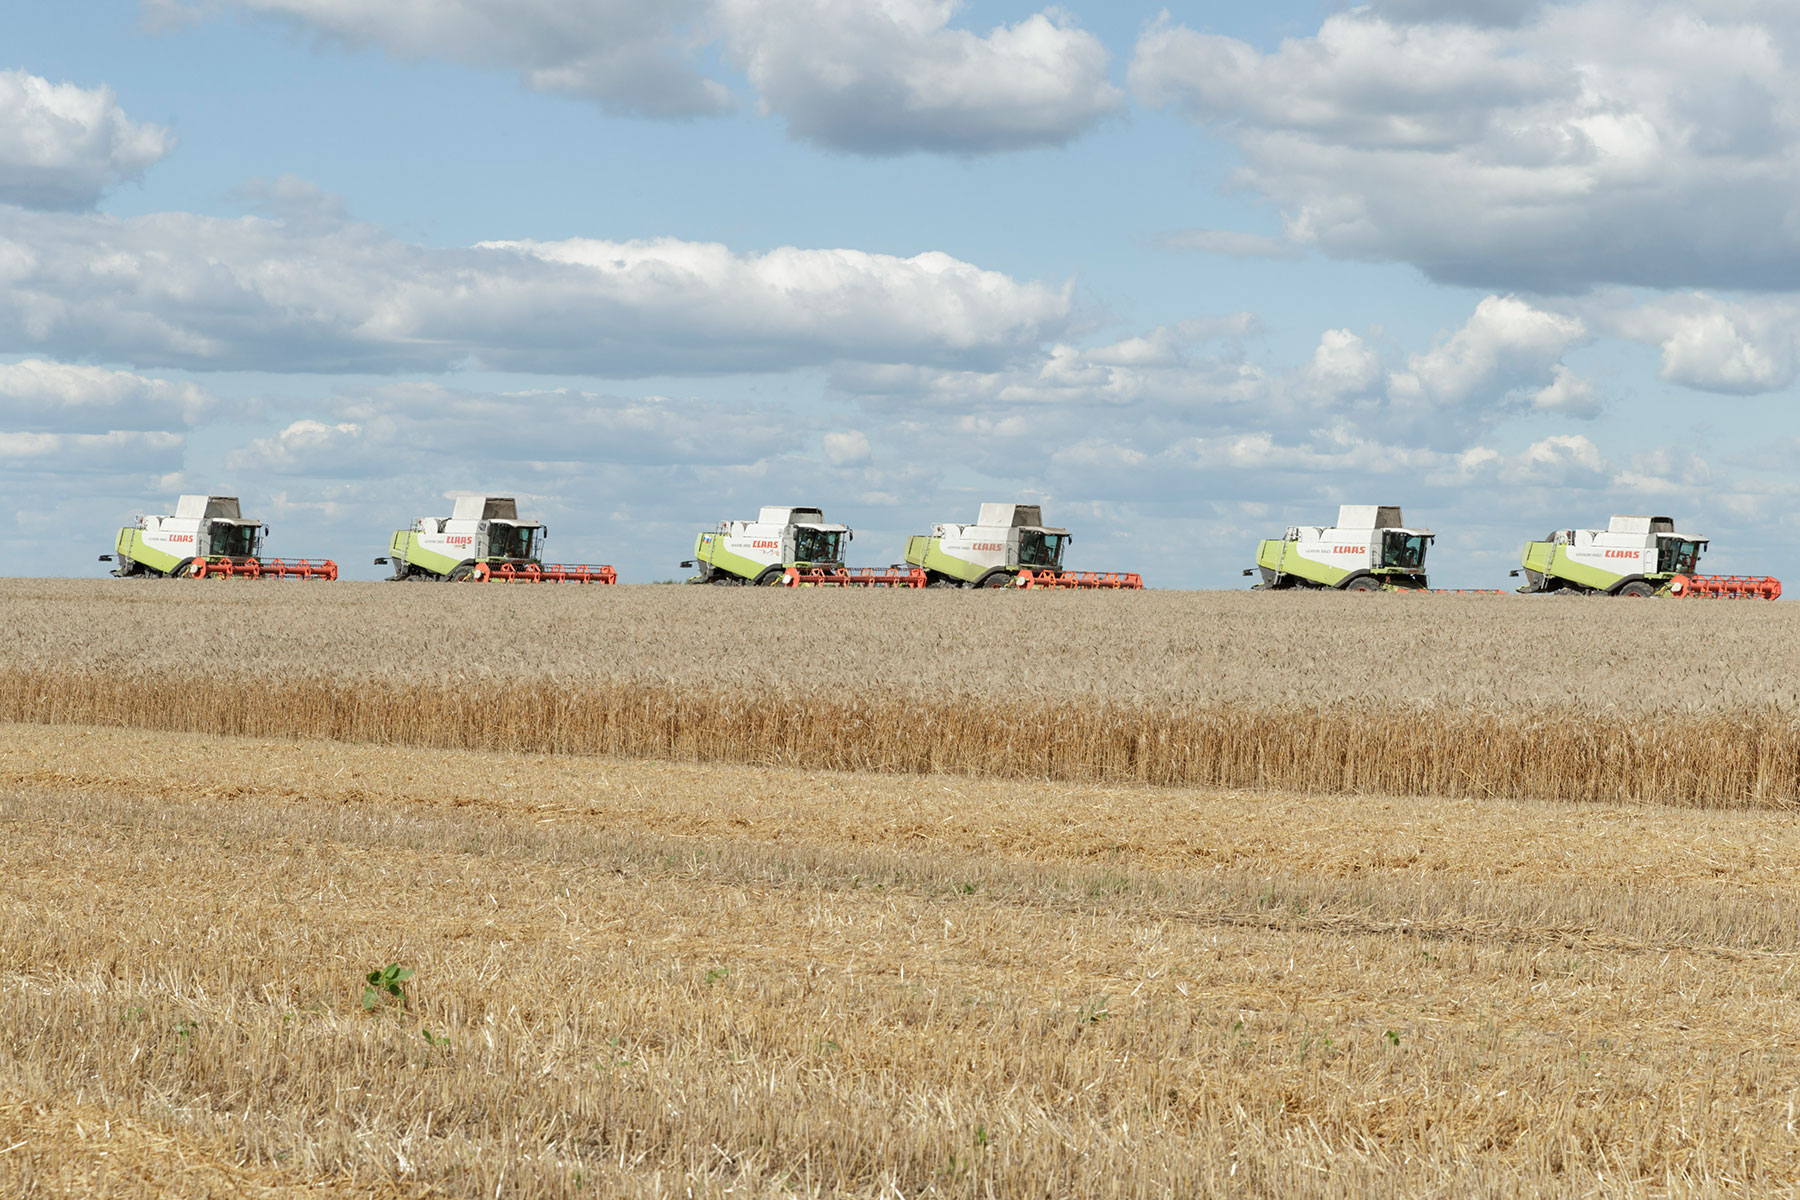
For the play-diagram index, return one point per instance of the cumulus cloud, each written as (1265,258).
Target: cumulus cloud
(41,396)
(62,146)
(120,451)
(1569,394)
(884,78)
(1505,345)
(847,449)
(627,56)
(1472,12)
(1550,148)
(870,78)
(308,447)
(1715,345)
(185,290)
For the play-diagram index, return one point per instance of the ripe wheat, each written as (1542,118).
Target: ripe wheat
(1689,703)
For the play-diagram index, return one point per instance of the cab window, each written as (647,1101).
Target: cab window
(816,545)
(1676,556)
(512,541)
(1041,549)
(1403,551)
(234,541)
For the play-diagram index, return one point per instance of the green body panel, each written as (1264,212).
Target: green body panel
(131,546)
(1283,556)
(708,551)
(1553,561)
(406,548)
(928,552)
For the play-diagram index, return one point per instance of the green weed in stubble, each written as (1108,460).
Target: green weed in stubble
(382,988)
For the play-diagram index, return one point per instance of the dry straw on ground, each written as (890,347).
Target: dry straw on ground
(845,985)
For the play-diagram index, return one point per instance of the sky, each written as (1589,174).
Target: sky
(1182,275)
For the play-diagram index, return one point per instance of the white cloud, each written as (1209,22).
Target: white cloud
(626,55)
(1733,347)
(847,449)
(1561,460)
(1472,12)
(307,447)
(1504,345)
(1567,393)
(867,77)
(182,290)
(888,77)
(1551,147)
(1344,364)
(430,428)
(61,146)
(117,452)
(54,396)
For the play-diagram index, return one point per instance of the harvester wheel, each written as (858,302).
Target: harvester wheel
(1363,583)
(461,573)
(1636,590)
(773,577)
(998,579)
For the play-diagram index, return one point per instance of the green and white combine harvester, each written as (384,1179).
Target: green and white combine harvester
(207,537)
(1007,546)
(782,544)
(482,540)
(1368,550)
(1633,557)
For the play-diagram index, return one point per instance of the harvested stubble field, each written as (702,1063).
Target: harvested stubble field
(656,979)
(1343,946)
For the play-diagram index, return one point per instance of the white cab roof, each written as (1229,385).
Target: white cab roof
(781,514)
(1620,524)
(1369,516)
(222,507)
(485,508)
(1011,516)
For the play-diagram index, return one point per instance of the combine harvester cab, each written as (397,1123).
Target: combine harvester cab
(481,541)
(207,537)
(1008,546)
(784,546)
(1634,557)
(1368,550)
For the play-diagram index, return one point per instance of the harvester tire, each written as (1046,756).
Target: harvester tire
(773,577)
(998,579)
(183,569)
(461,572)
(1637,589)
(1363,583)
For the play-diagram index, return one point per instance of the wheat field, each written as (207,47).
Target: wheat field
(712,893)
(1691,703)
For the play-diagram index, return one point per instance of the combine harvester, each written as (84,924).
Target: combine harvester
(786,546)
(481,541)
(1368,550)
(208,537)
(1008,546)
(1632,556)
